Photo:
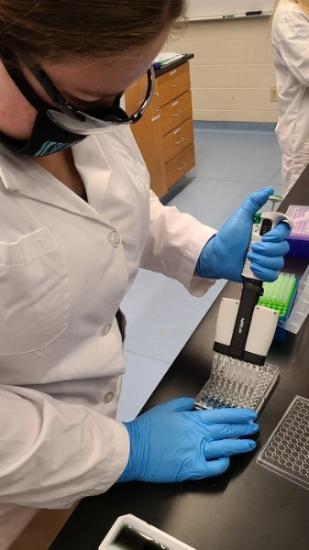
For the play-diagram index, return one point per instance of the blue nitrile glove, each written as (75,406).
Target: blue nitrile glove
(173,442)
(224,255)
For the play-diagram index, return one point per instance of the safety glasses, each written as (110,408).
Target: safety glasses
(66,116)
(97,116)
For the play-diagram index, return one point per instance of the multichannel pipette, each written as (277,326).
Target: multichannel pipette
(245,330)
(244,333)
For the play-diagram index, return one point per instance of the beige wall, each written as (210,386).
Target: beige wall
(232,73)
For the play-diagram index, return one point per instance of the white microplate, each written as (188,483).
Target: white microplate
(235,383)
(287,450)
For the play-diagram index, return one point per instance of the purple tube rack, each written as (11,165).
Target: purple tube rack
(299,238)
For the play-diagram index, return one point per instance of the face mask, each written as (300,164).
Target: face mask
(57,129)
(46,137)
(50,136)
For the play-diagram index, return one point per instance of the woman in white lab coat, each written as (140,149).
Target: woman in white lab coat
(77,220)
(291,58)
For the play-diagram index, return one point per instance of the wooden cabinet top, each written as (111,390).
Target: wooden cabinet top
(171,66)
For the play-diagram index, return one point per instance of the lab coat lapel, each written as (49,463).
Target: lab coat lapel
(95,171)
(23,176)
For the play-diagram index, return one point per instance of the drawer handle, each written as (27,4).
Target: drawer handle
(155,118)
(177,114)
(175,85)
(180,141)
(177,131)
(181,166)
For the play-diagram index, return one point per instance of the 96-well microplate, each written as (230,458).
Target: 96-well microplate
(234,383)
(287,450)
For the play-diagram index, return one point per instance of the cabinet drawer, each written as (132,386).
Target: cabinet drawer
(177,140)
(174,83)
(175,113)
(176,168)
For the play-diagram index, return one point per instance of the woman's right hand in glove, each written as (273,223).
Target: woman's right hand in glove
(173,442)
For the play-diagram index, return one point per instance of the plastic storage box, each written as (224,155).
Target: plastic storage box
(299,238)
(301,306)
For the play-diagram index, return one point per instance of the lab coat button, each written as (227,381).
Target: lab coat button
(109,396)
(106,329)
(114,238)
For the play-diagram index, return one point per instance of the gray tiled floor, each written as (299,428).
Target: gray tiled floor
(241,156)
(161,313)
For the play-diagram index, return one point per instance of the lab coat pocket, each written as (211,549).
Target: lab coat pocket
(35,299)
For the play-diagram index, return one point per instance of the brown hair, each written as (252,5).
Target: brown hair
(50,30)
(303,4)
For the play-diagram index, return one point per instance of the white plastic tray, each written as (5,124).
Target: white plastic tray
(164,541)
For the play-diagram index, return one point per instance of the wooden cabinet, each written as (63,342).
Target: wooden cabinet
(165,133)
(176,112)
(176,168)
(174,83)
(177,140)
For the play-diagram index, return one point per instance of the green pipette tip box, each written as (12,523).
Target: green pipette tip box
(280,294)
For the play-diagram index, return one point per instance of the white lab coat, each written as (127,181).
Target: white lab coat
(65,266)
(291,58)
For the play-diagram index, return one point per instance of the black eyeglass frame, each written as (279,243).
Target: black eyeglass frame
(66,108)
